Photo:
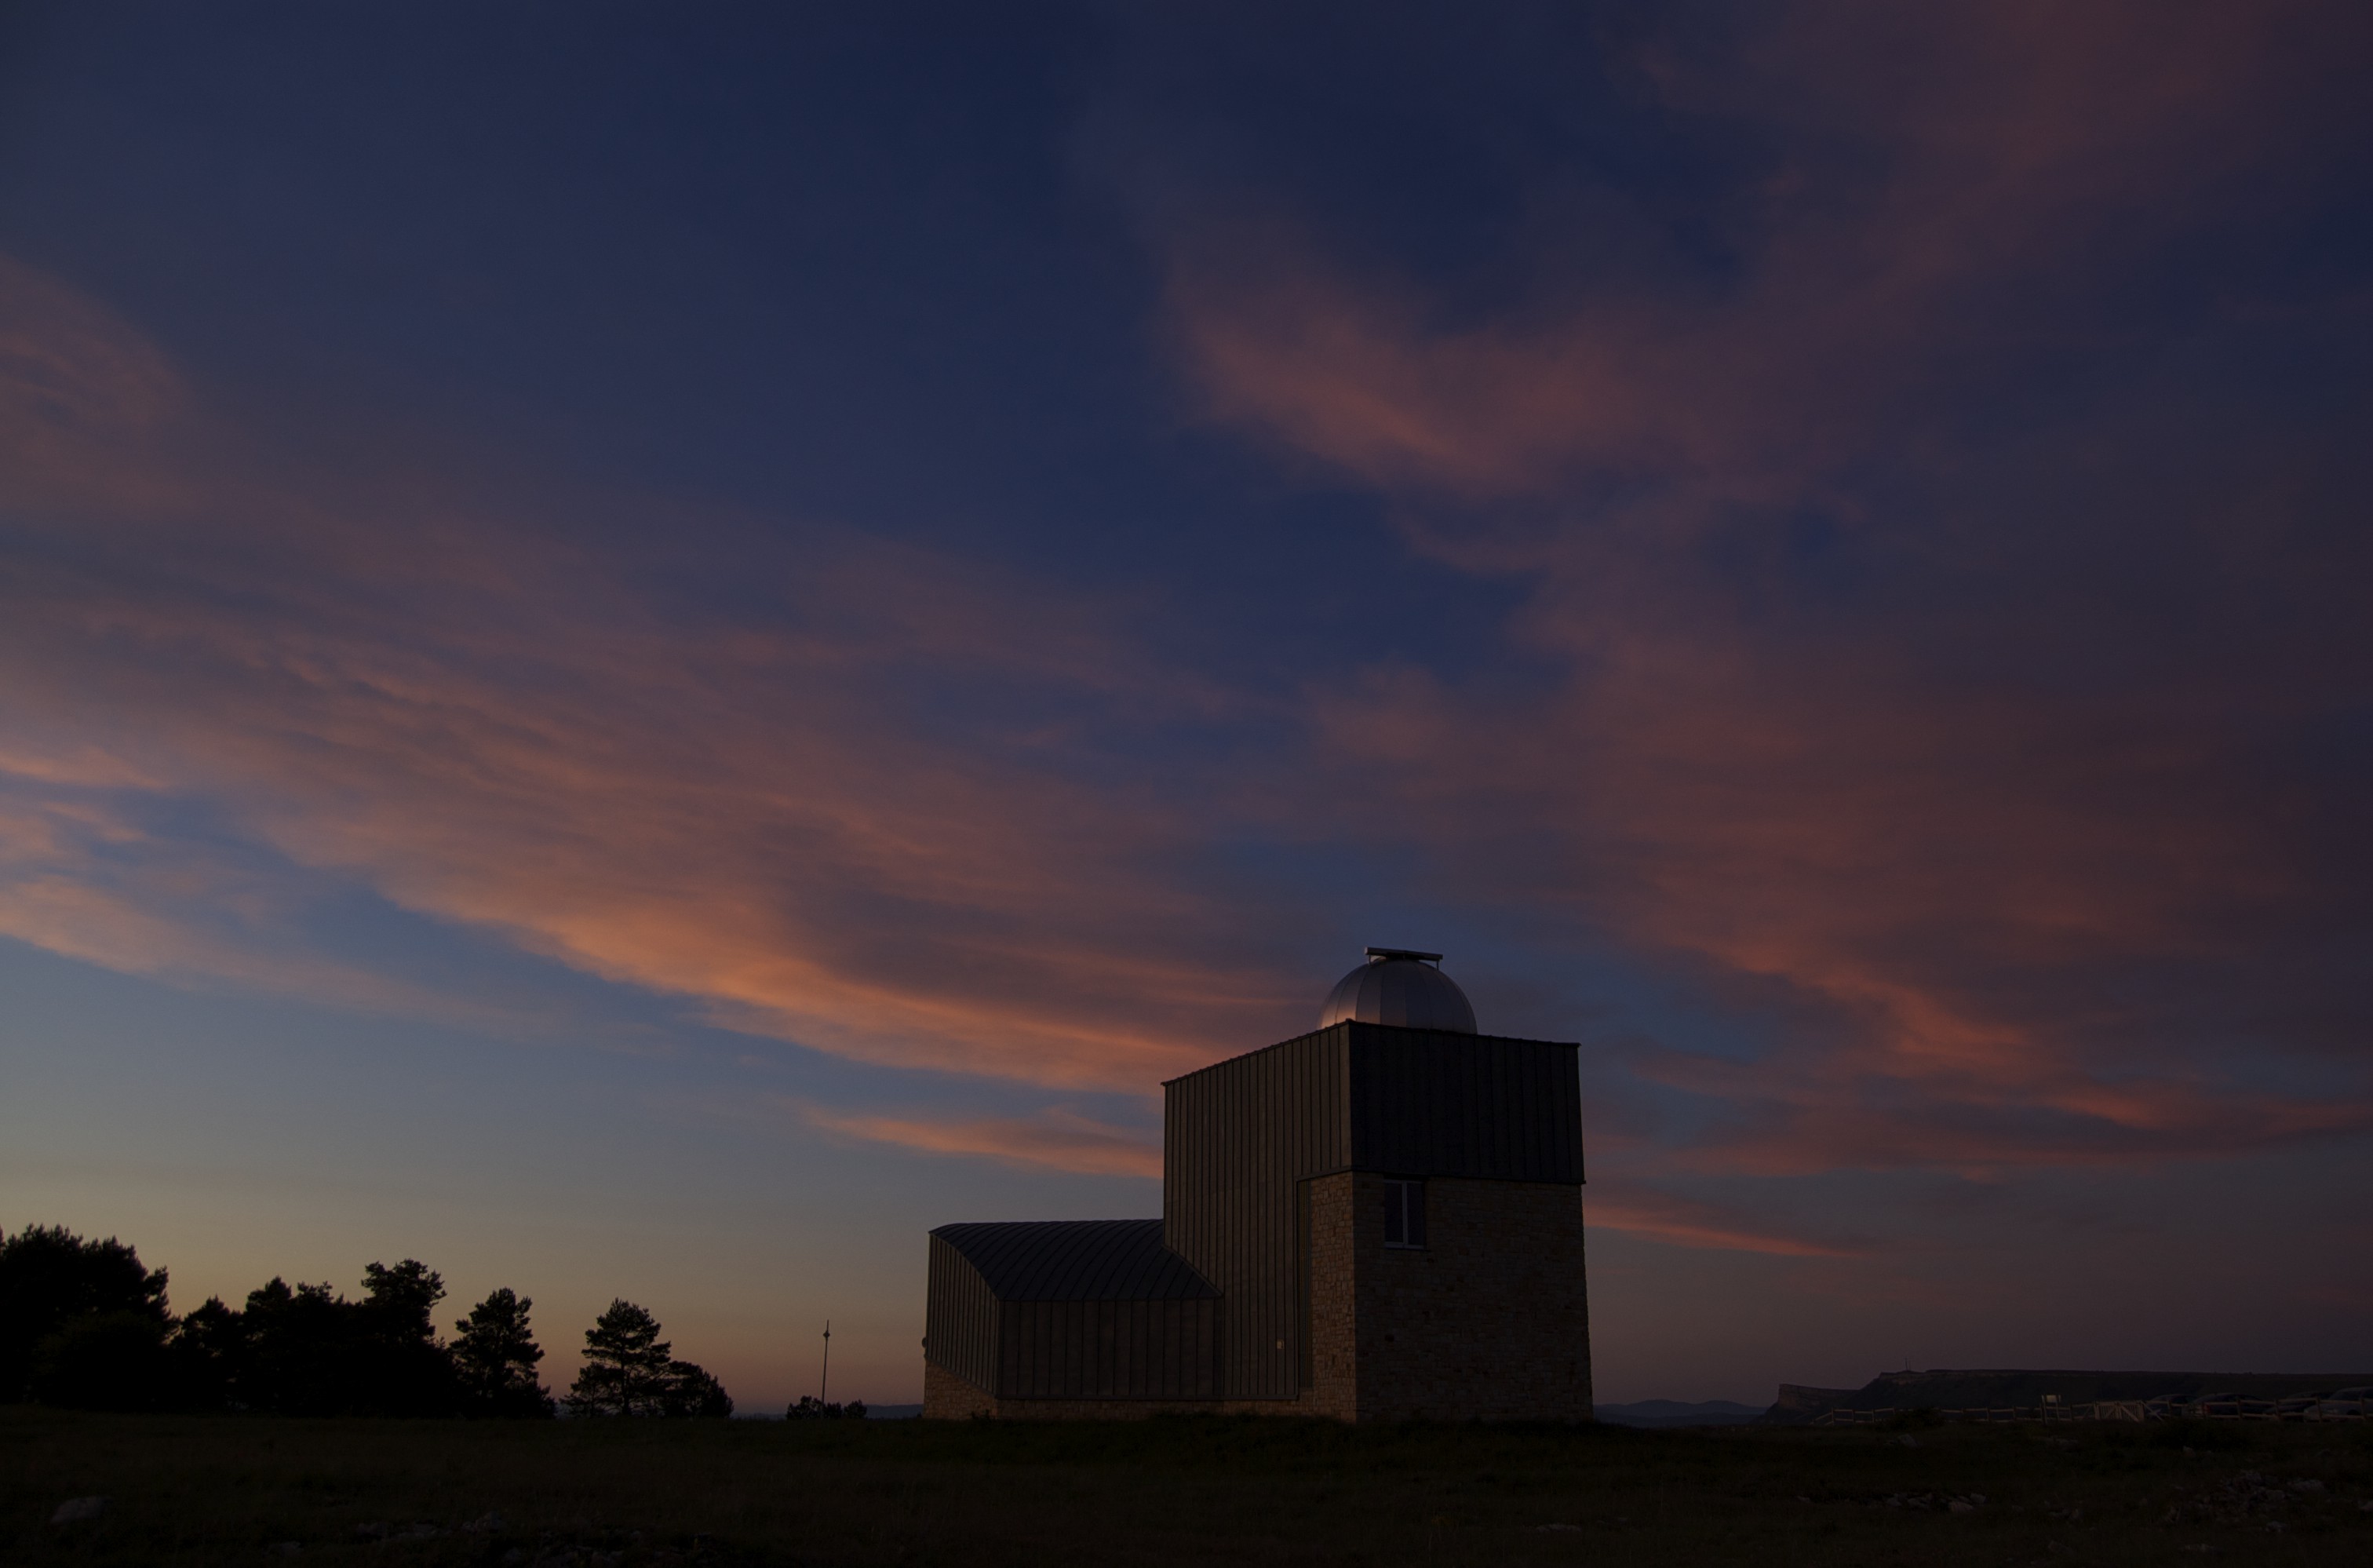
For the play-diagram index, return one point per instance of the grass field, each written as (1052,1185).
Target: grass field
(206,1489)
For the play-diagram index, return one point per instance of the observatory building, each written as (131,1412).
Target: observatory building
(1377,1221)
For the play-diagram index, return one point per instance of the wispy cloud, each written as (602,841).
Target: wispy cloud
(1657,1216)
(771,814)
(1967,754)
(1056,1140)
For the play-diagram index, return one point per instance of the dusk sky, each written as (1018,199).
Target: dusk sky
(645,649)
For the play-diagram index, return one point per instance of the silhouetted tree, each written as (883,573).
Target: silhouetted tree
(297,1350)
(308,1351)
(209,1356)
(106,1361)
(626,1365)
(84,1324)
(693,1392)
(402,1301)
(628,1372)
(52,1281)
(810,1407)
(494,1356)
(401,1368)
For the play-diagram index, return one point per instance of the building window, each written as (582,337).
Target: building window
(1404,1213)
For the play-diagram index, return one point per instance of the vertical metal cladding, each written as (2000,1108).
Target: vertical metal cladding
(1092,1309)
(1236,1138)
(1240,1136)
(1482,1105)
(1109,1349)
(960,1327)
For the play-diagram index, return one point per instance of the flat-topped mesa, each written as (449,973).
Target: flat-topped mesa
(1981,1394)
(1381,1219)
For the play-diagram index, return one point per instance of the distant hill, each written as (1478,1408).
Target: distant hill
(1673,1413)
(1943,1389)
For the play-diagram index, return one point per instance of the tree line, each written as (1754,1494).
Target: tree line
(84,1324)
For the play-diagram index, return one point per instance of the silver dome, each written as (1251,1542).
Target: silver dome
(1396,986)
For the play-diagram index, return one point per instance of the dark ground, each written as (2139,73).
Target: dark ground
(242,1489)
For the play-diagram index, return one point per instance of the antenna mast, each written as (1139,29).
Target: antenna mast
(825,1381)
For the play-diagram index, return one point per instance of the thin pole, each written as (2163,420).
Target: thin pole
(825,1382)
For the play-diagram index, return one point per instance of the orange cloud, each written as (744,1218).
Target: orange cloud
(1058,1139)
(1662,1217)
(491,725)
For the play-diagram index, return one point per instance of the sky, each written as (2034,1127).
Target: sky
(645,649)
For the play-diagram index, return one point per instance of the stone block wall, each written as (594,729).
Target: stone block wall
(949,1396)
(1489,1320)
(1331,1324)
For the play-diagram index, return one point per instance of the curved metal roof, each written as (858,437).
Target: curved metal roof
(1077,1260)
(1400,987)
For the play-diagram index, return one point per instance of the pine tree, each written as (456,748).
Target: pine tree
(693,1392)
(402,1300)
(397,1365)
(628,1372)
(496,1353)
(627,1366)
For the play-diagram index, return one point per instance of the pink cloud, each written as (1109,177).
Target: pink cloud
(488,724)
(1991,891)
(1866,842)
(1677,1222)
(2014,136)
(1058,1139)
